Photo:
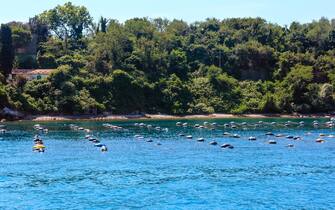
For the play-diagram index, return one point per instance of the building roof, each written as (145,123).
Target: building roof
(32,71)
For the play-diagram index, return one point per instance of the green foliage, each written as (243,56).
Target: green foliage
(47,61)
(6,50)
(327,97)
(288,59)
(3,95)
(67,21)
(178,63)
(298,93)
(140,27)
(208,99)
(76,61)
(237,65)
(175,95)
(21,34)
(110,49)
(323,69)
(268,104)
(253,61)
(103,24)
(251,96)
(86,104)
(39,29)
(26,61)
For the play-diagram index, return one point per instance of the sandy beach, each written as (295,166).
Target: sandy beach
(164,117)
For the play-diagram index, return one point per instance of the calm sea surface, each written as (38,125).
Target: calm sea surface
(180,173)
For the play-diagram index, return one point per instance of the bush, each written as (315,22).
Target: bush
(268,104)
(201,108)
(47,61)
(76,61)
(3,96)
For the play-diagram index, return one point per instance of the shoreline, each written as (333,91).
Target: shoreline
(45,118)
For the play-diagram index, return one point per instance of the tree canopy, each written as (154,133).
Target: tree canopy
(235,65)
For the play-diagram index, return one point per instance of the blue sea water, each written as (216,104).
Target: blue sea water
(178,174)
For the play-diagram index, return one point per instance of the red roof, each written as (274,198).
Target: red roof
(32,71)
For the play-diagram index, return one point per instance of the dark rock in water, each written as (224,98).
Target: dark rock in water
(272,142)
(213,143)
(149,140)
(10,114)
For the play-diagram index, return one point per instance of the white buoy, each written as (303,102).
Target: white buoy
(103,149)
(252,138)
(200,139)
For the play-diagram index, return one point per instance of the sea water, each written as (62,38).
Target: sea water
(179,173)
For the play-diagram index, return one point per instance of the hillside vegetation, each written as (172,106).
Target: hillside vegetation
(237,65)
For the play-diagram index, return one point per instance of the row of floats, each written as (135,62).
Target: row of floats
(40,147)
(96,142)
(315,123)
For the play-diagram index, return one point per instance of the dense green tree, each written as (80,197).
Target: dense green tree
(126,92)
(110,49)
(3,94)
(140,27)
(21,34)
(175,95)
(289,59)
(253,61)
(295,92)
(318,33)
(39,29)
(324,66)
(103,23)
(178,63)
(6,51)
(67,21)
